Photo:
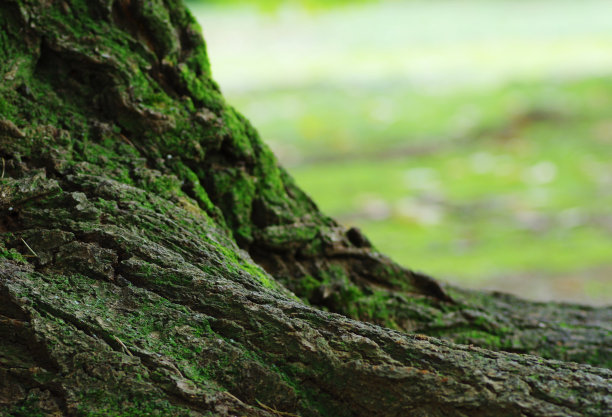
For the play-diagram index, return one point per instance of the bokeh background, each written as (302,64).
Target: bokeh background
(470,139)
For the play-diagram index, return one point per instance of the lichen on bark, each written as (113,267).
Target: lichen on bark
(156,260)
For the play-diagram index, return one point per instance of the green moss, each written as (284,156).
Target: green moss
(195,189)
(235,190)
(273,188)
(28,408)
(152,323)
(339,293)
(600,358)
(235,264)
(159,28)
(284,236)
(378,308)
(106,205)
(12,255)
(165,186)
(239,134)
(481,338)
(6,109)
(103,159)
(101,403)
(307,286)
(200,88)
(261,276)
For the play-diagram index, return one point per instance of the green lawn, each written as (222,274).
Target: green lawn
(471,140)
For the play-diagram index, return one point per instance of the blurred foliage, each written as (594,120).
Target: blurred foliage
(471,140)
(512,190)
(273,5)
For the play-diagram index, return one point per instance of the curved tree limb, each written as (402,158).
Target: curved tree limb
(171,251)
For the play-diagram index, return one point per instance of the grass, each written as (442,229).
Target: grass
(466,145)
(521,192)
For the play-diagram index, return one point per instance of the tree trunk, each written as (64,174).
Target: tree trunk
(157,261)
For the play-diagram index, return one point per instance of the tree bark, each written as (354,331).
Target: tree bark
(156,260)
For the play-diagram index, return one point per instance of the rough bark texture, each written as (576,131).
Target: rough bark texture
(155,260)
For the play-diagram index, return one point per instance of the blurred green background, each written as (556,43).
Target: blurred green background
(469,139)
